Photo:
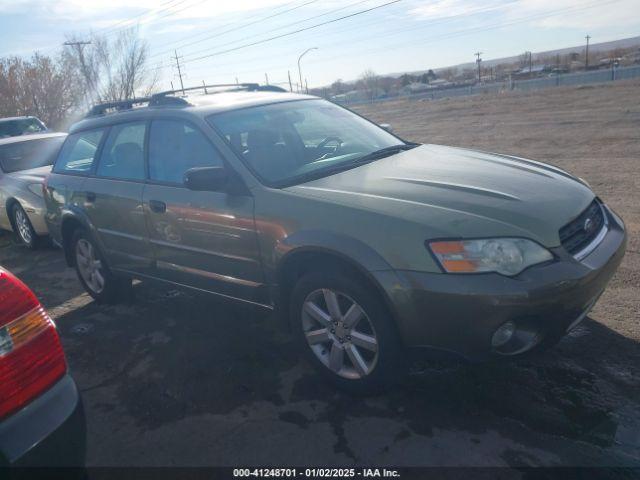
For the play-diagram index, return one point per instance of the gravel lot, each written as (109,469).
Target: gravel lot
(180,379)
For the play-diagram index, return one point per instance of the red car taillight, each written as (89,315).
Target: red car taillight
(31,356)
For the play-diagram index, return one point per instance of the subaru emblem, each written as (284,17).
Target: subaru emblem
(588,225)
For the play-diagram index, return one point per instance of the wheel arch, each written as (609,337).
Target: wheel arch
(71,221)
(298,261)
(11,201)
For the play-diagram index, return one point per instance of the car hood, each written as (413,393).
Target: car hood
(457,192)
(33,175)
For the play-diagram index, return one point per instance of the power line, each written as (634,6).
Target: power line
(377,35)
(431,39)
(244,26)
(188,37)
(446,36)
(107,30)
(169,13)
(272,30)
(293,32)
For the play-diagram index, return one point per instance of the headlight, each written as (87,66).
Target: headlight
(35,188)
(508,256)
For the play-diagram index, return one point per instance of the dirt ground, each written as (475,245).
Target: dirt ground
(178,379)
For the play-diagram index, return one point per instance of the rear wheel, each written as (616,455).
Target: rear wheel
(346,332)
(24,230)
(94,273)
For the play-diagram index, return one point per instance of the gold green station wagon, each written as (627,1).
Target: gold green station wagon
(370,245)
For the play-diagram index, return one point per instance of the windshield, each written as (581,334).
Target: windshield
(22,126)
(293,142)
(29,154)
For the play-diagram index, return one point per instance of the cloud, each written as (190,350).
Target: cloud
(98,12)
(445,8)
(585,14)
(578,14)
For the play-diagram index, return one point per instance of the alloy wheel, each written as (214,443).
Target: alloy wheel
(89,266)
(340,333)
(23,226)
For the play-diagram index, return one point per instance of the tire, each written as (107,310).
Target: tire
(368,367)
(94,275)
(23,228)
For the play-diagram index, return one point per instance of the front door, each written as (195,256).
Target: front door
(205,240)
(114,198)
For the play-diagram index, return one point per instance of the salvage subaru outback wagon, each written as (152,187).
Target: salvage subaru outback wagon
(370,244)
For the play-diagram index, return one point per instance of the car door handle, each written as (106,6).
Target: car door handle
(157,206)
(91,197)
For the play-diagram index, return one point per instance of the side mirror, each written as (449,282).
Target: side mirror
(206,179)
(387,127)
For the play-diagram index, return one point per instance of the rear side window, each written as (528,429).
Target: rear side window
(175,147)
(79,152)
(123,154)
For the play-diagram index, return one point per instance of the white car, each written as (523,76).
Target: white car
(25,161)
(16,126)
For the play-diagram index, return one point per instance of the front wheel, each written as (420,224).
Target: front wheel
(93,272)
(346,332)
(26,234)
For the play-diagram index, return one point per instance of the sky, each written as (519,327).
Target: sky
(219,41)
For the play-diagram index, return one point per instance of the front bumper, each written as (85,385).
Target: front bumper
(48,432)
(460,313)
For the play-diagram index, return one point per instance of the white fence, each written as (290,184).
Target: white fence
(581,78)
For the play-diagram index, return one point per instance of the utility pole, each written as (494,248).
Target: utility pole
(478,60)
(586,60)
(306,86)
(266,79)
(204,85)
(79,47)
(530,63)
(299,68)
(179,71)
(290,85)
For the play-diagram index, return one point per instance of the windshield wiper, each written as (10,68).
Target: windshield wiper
(370,157)
(385,152)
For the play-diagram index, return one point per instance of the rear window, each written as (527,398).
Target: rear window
(79,152)
(21,126)
(19,156)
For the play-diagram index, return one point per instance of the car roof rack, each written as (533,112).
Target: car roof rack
(250,87)
(130,104)
(169,97)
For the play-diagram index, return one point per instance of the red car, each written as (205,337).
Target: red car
(41,416)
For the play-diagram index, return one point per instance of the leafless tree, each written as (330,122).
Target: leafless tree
(114,69)
(369,83)
(337,87)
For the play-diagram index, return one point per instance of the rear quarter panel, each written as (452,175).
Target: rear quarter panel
(61,199)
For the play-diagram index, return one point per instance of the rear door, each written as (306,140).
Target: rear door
(114,198)
(205,240)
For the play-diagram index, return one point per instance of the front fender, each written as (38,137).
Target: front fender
(331,242)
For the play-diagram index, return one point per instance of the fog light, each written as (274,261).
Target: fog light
(503,334)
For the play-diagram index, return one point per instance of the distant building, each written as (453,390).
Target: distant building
(416,87)
(535,71)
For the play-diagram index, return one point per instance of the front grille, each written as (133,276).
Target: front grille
(580,232)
